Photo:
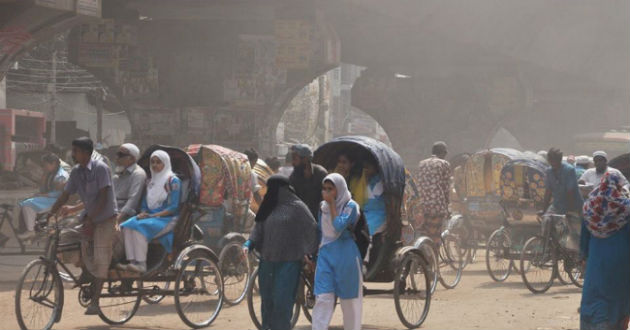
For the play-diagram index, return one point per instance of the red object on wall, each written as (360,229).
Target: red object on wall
(20,131)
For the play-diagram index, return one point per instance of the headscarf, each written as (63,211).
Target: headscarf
(269,202)
(133,150)
(156,192)
(343,197)
(607,208)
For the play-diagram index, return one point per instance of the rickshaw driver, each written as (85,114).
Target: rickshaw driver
(561,185)
(91,180)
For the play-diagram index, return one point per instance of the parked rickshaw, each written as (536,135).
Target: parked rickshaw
(192,266)
(406,266)
(224,201)
(522,191)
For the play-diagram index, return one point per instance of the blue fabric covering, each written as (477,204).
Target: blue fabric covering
(560,184)
(44,203)
(606,292)
(278,288)
(374,208)
(338,263)
(150,227)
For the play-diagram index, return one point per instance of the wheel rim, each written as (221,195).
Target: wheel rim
(119,301)
(498,265)
(38,297)
(235,270)
(537,265)
(563,275)
(412,291)
(451,263)
(199,292)
(432,270)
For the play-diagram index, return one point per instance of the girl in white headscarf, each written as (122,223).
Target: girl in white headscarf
(160,208)
(338,271)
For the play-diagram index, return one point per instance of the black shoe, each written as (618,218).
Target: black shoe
(84,278)
(92,309)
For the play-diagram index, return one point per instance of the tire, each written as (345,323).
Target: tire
(199,278)
(39,281)
(235,269)
(253,303)
(540,265)
(452,264)
(156,287)
(498,266)
(412,285)
(119,301)
(432,261)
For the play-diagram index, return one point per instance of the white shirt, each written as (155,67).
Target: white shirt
(592,178)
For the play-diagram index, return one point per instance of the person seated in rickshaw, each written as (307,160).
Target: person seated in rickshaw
(52,184)
(159,211)
(129,181)
(354,176)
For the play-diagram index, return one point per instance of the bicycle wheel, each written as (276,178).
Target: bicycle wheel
(235,269)
(119,301)
(198,291)
(539,260)
(156,288)
(497,263)
(562,274)
(254,303)
(576,271)
(432,261)
(38,296)
(412,294)
(451,263)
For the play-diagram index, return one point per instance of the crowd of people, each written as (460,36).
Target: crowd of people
(308,215)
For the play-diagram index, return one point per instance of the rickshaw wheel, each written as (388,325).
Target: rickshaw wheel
(427,248)
(412,291)
(539,263)
(119,301)
(85,296)
(498,266)
(198,291)
(254,307)
(452,262)
(155,298)
(38,296)
(235,268)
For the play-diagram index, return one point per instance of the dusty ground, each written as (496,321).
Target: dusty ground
(477,302)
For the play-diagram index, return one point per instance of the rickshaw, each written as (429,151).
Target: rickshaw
(192,266)
(522,191)
(263,172)
(406,266)
(223,212)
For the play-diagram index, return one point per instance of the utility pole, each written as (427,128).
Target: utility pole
(52,88)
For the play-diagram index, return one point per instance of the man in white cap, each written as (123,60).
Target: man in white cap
(129,181)
(593,176)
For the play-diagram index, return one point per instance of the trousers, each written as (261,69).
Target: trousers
(136,245)
(278,288)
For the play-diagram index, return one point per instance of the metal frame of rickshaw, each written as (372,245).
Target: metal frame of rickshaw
(394,262)
(183,265)
(515,207)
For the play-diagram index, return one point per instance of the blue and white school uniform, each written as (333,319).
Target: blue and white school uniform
(338,271)
(32,206)
(374,208)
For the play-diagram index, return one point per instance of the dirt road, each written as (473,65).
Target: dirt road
(477,303)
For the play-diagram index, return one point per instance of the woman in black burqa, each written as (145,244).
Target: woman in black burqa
(285,232)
